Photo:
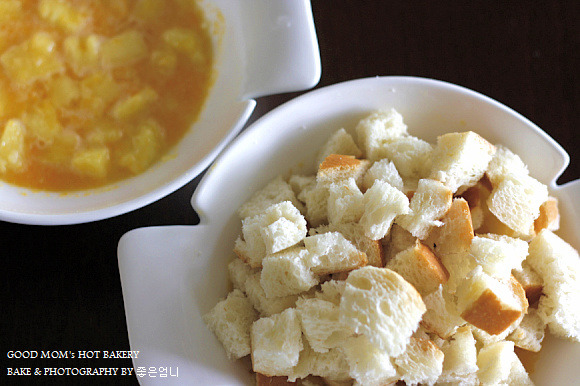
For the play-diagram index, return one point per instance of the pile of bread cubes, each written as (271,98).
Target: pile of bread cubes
(399,261)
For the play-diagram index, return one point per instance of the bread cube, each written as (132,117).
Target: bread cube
(398,239)
(504,162)
(383,170)
(456,233)
(460,362)
(330,365)
(276,343)
(287,273)
(187,42)
(461,159)
(420,363)
(239,272)
(134,105)
(82,53)
(378,128)
(382,203)
(429,203)
(331,291)
(315,198)
(145,147)
(321,325)
(340,142)
(92,162)
(495,362)
(380,304)
(368,364)
(12,146)
(531,281)
(338,167)
(549,217)
(411,156)
(529,334)
(498,254)
(331,252)
(124,49)
(274,192)
(490,304)
(516,202)
(420,267)
(441,317)
(230,320)
(32,60)
(345,202)
(558,264)
(63,15)
(264,305)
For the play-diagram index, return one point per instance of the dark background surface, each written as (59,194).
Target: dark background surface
(60,285)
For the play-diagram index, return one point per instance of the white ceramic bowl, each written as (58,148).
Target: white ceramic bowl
(171,276)
(262,47)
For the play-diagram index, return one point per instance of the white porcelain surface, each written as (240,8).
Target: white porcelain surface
(246,68)
(173,275)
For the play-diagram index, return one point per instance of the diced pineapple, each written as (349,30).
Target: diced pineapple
(149,10)
(62,149)
(63,91)
(82,53)
(144,147)
(42,123)
(98,91)
(33,59)
(10,9)
(124,49)
(62,14)
(104,134)
(187,42)
(164,61)
(12,146)
(134,105)
(92,162)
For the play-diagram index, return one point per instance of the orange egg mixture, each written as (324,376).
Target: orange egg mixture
(96,91)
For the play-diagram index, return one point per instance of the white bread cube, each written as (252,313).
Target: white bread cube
(495,363)
(340,142)
(321,325)
(396,241)
(420,267)
(518,374)
(412,156)
(345,202)
(299,182)
(315,198)
(276,343)
(378,128)
(368,364)
(239,273)
(530,333)
(421,363)
(287,273)
(382,203)
(459,265)
(441,317)
(558,264)
(460,159)
(531,281)
(498,255)
(383,170)
(549,217)
(429,203)
(516,202)
(330,365)
(274,192)
(460,363)
(456,233)
(264,305)
(479,296)
(331,252)
(338,167)
(230,320)
(380,304)
(331,291)
(503,163)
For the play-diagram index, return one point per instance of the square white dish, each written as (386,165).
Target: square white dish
(171,276)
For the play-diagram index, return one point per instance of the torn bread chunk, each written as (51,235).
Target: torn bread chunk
(429,203)
(460,363)
(341,142)
(383,170)
(498,364)
(315,198)
(549,217)
(382,203)
(345,202)
(420,267)
(460,159)
(459,265)
(441,317)
(230,320)
(274,192)
(378,128)
(421,362)
(380,304)
(287,273)
(264,305)
(516,202)
(330,365)
(558,263)
(338,167)
(498,254)
(490,304)
(503,163)
(396,241)
(456,233)
(411,156)
(531,281)
(239,272)
(276,343)
(331,252)
(530,333)
(331,291)
(368,364)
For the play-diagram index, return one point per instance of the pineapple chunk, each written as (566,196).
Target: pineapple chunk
(63,91)
(98,91)
(185,41)
(10,9)
(144,147)
(42,123)
(124,49)
(62,149)
(164,61)
(134,105)
(32,60)
(104,133)
(82,53)
(149,10)
(62,14)
(12,147)
(92,162)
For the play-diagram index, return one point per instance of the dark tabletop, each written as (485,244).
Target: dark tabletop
(61,289)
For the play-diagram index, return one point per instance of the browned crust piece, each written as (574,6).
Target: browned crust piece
(457,231)
(431,263)
(549,216)
(338,166)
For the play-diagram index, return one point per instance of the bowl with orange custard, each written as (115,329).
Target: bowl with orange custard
(108,106)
